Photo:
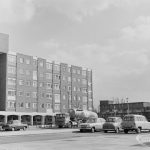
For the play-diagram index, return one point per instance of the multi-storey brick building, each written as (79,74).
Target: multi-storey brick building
(111,108)
(32,84)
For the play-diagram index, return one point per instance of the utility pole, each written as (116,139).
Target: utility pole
(127,105)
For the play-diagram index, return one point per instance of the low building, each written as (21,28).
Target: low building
(109,108)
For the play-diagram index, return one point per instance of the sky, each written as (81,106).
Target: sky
(111,37)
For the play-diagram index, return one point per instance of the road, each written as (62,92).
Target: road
(73,140)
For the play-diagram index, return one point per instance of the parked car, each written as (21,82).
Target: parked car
(112,124)
(14,125)
(92,124)
(136,123)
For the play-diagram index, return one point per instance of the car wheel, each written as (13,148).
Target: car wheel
(125,131)
(117,130)
(138,130)
(105,131)
(81,130)
(70,125)
(92,130)
(12,129)
(24,128)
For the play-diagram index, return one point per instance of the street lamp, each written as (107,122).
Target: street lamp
(127,105)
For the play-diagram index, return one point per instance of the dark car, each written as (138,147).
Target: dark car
(112,124)
(14,125)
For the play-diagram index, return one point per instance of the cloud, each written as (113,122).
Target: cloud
(12,11)
(139,31)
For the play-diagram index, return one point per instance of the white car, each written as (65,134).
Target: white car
(92,124)
(136,123)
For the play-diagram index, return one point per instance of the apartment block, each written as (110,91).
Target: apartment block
(32,84)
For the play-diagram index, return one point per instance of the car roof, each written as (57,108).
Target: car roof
(136,115)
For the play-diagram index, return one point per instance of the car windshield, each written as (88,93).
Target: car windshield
(128,118)
(111,120)
(91,120)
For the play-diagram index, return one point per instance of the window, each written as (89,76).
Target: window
(41,63)
(11,104)
(34,75)
(27,61)
(69,88)
(42,105)
(56,87)
(27,105)
(64,68)
(21,105)
(49,95)
(28,94)
(49,76)
(34,105)
(28,83)
(43,95)
(56,76)
(48,106)
(79,80)
(21,60)
(57,98)
(34,62)
(78,71)
(73,71)
(64,78)
(28,72)
(85,99)
(74,79)
(21,82)
(41,75)
(84,90)
(84,72)
(69,69)
(84,81)
(41,84)
(84,107)
(49,85)
(34,94)
(11,70)
(74,88)
(69,79)
(64,106)
(64,97)
(12,94)
(57,106)
(34,83)
(12,81)
(11,58)
(56,67)
(21,71)
(20,93)
(48,66)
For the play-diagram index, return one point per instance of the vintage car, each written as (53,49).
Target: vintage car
(132,122)
(92,124)
(112,124)
(14,125)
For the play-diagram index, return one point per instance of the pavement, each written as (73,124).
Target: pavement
(37,130)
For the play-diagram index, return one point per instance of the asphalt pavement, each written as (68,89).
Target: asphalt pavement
(37,130)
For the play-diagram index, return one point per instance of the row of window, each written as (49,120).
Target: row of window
(28,105)
(49,66)
(12,96)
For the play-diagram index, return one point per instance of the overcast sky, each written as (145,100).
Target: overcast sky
(111,37)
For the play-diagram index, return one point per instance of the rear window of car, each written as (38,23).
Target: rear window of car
(111,119)
(128,118)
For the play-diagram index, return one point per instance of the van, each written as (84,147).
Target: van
(137,123)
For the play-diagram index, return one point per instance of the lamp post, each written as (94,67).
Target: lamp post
(127,105)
